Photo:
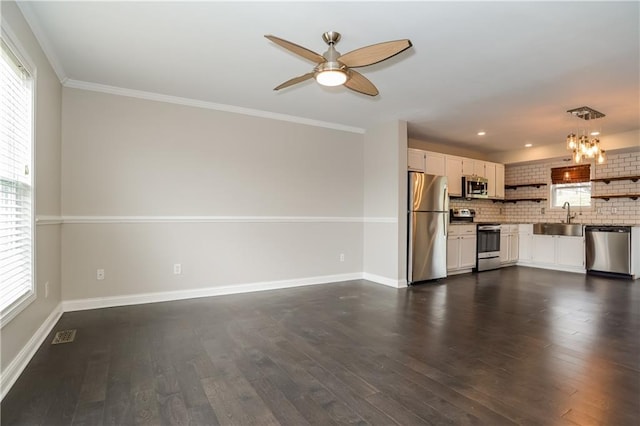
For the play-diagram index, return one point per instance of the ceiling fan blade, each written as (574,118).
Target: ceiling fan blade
(295,80)
(298,50)
(375,53)
(359,83)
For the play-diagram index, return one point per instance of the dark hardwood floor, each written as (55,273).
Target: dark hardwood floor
(512,346)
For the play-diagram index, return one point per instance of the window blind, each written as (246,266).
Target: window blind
(16,213)
(571,174)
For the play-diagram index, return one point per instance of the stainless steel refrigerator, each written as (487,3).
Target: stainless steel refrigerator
(428,223)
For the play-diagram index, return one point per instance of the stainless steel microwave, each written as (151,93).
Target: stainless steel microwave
(475,187)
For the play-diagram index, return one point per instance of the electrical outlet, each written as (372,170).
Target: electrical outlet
(46,290)
(100,274)
(614,210)
(177,269)
(341,257)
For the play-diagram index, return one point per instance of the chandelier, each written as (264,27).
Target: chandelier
(584,143)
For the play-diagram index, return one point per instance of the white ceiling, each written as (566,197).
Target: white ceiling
(509,68)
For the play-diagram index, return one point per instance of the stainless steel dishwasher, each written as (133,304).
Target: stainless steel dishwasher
(608,249)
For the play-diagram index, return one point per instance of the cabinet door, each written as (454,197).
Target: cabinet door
(525,245)
(500,181)
(453,253)
(513,247)
(435,163)
(543,250)
(468,166)
(416,160)
(468,251)
(479,168)
(453,170)
(504,248)
(490,174)
(570,251)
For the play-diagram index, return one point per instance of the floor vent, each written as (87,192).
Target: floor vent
(64,336)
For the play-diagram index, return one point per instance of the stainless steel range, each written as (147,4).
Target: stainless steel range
(488,249)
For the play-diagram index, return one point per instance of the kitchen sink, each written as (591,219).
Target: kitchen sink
(566,229)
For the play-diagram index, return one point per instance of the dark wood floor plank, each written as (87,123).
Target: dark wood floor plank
(296,363)
(94,384)
(145,407)
(511,346)
(235,402)
(282,409)
(88,413)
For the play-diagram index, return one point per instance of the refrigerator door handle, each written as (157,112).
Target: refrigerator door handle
(445,194)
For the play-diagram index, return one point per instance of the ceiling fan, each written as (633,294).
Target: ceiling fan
(334,69)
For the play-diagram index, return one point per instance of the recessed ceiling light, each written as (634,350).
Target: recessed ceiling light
(595,133)
(482,133)
(528,145)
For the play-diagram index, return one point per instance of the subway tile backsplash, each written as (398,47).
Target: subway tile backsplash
(615,211)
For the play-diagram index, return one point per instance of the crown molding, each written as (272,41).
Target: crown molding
(158,97)
(43,41)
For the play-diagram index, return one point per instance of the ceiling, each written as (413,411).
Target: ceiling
(511,69)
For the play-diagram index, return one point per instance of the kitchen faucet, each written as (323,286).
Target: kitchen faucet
(567,206)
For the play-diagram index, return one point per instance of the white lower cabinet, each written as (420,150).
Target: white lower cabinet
(461,248)
(543,250)
(509,244)
(525,242)
(570,252)
(550,251)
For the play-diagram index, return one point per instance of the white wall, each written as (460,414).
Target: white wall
(385,198)
(234,199)
(17,334)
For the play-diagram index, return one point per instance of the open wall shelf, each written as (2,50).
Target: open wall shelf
(524,185)
(634,178)
(515,200)
(611,179)
(608,197)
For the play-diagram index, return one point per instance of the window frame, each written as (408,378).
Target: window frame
(576,207)
(20,303)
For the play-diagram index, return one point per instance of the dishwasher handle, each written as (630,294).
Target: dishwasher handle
(622,229)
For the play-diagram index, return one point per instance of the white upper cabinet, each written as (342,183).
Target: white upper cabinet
(468,166)
(435,163)
(453,169)
(479,168)
(416,160)
(432,163)
(490,174)
(500,181)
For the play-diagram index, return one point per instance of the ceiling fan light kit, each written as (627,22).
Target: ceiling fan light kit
(334,69)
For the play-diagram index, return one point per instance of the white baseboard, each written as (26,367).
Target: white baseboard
(390,282)
(166,296)
(17,366)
